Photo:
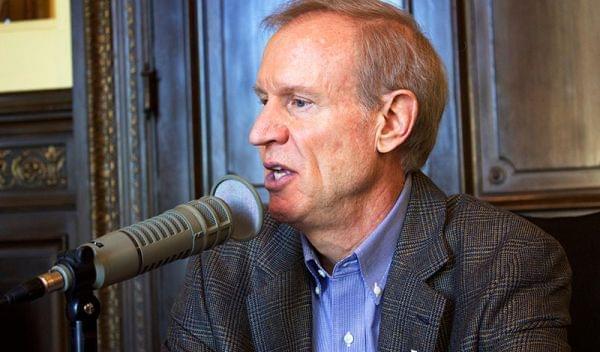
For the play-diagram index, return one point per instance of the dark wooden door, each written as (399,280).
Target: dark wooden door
(533,67)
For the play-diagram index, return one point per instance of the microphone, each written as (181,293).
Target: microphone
(233,210)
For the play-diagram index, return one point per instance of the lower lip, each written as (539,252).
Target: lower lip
(273,185)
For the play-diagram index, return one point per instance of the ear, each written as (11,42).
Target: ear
(395,119)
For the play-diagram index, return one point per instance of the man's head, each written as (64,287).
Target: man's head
(391,53)
(353,94)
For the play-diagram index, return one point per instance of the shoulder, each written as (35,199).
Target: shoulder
(217,282)
(478,223)
(499,244)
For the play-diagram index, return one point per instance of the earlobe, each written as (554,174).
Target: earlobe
(395,119)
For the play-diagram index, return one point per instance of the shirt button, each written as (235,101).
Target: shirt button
(318,290)
(377,290)
(348,339)
(322,273)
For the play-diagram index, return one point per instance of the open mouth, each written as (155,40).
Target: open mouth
(277,176)
(279,172)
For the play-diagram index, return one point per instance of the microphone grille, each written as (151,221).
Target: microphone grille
(218,222)
(207,215)
(218,207)
(157,228)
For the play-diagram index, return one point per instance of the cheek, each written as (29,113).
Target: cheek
(338,140)
(359,153)
(359,141)
(334,150)
(347,157)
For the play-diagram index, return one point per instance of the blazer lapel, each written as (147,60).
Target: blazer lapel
(279,307)
(412,312)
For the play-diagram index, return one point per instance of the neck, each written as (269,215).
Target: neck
(358,220)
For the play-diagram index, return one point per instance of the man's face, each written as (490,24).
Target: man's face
(317,146)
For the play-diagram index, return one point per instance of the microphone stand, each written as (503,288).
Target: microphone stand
(83,308)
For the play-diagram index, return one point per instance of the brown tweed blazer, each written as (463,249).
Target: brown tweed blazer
(465,277)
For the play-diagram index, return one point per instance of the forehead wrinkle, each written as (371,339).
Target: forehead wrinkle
(324,89)
(325,40)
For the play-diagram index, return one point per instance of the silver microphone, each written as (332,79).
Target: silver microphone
(233,210)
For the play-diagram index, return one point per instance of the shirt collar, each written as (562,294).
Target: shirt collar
(375,253)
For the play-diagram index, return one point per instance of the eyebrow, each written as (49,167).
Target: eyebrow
(258,90)
(286,90)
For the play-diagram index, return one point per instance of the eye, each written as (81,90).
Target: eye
(300,103)
(262,99)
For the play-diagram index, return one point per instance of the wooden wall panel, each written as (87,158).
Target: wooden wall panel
(175,125)
(438,21)
(533,73)
(38,217)
(232,54)
(548,52)
(37,155)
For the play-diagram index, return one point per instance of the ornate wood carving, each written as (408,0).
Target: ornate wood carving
(32,168)
(115,57)
(102,137)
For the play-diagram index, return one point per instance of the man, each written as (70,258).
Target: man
(360,251)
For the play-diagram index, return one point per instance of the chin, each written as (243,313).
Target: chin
(282,212)
(278,213)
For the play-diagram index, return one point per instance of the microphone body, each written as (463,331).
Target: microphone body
(186,230)
(233,210)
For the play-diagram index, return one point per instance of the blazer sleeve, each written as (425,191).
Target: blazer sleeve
(189,326)
(526,307)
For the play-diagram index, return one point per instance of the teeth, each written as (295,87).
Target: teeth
(277,168)
(278,174)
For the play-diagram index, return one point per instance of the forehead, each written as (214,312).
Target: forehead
(325,28)
(313,47)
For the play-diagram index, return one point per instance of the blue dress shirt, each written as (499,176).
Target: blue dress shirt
(345,304)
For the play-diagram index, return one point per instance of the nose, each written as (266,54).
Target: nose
(268,128)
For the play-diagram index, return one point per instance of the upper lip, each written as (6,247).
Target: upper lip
(275,166)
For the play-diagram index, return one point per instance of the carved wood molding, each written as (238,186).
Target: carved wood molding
(37,103)
(115,56)
(102,134)
(36,112)
(33,168)
(137,292)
